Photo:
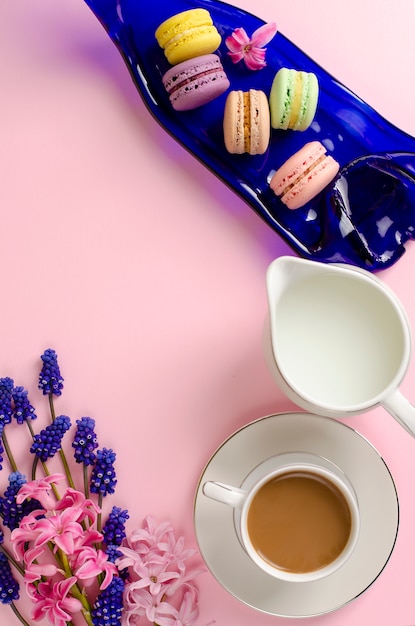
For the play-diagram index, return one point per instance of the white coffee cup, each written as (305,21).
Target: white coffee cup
(336,339)
(320,520)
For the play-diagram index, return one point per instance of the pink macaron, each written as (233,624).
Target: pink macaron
(304,175)
(195,82)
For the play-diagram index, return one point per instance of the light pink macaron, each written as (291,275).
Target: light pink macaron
(304,175)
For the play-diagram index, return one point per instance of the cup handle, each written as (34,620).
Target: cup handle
(402,410)
(224,493)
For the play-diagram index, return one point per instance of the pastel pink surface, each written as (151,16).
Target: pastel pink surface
(155,301)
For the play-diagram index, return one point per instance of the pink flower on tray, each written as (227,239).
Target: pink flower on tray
(250,50)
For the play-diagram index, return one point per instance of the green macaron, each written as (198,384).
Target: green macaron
(293,99)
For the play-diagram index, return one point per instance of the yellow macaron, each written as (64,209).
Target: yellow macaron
(187,35)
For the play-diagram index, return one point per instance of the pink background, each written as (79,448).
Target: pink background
(147,275)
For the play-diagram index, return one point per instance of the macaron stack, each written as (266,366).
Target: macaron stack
(189,39)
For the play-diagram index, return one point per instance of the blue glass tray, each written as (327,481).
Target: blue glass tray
(363,218)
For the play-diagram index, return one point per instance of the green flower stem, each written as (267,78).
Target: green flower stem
(99,516)
(86,480)
(98,545)
(18,614)
(52,407)
(87,617)
(62,560)
(75,591)
(12,560)
(47,473)
(30,427)
(66,468)
(9,452)
(61,452)
(34,467)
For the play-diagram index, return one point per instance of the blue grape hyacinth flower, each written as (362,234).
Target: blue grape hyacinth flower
(11,512)
(9,587)
(6,390)
(108,606)
(114,527)
(49,440)
(103,477)
(85,441)
(23,410)
(50,379)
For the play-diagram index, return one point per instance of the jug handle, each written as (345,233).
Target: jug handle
(224,493)
(402,410)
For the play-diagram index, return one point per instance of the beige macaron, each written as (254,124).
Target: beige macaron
(246,122)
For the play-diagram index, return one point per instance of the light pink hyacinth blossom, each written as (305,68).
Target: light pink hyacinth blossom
(160,585)
(250,49)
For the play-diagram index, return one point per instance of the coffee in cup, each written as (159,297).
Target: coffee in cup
(296,515)
(299,521)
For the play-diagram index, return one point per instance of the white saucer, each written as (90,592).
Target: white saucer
(378,502)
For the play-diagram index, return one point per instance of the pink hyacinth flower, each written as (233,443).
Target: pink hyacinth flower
(140,602)
(89,563)
(89,538)
(184,579)
(176,554)
(40,490)
(153,575)
(130,558)
(185,615)
(52,600)
(35,570)
(62,529)
(147,539)
(25,533)
(250,50)
(76,500)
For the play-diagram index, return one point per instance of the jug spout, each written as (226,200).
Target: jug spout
(282,274)
(278,276)
(285,271)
